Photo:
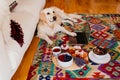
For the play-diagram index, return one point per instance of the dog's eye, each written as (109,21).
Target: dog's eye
(48,13)
(53,11)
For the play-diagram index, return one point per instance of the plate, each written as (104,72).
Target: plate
(101,59)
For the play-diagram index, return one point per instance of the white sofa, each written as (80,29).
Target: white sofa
(26,14)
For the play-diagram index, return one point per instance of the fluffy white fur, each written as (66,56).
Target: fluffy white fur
(50,20)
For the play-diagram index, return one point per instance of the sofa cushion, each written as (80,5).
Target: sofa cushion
(4,11)
(31,6)
(5,64)
(28,24)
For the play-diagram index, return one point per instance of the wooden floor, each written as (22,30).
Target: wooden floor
(86,6)
(69,6)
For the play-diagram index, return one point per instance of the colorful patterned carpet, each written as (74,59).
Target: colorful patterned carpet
(105,32)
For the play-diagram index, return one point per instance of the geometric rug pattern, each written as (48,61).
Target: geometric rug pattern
(105,29)
(112,68)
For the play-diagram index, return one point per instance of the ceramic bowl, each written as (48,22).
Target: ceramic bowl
(56,50)
(99,56)
(65,60)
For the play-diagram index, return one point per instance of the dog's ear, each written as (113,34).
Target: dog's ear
(42,16)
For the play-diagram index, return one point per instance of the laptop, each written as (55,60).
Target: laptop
(81,38)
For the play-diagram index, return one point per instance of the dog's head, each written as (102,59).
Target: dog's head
(50,16)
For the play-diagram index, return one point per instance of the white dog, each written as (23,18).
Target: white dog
(50,23)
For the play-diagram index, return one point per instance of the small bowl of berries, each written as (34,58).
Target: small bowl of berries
(65,59)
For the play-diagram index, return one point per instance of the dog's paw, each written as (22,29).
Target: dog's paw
(50,42)
(73,34)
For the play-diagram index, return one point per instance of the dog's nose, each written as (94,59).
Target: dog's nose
(54,18)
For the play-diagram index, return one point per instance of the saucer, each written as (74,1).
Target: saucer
(101,59)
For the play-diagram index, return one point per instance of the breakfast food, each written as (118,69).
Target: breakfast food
(65,60)
(64,57)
